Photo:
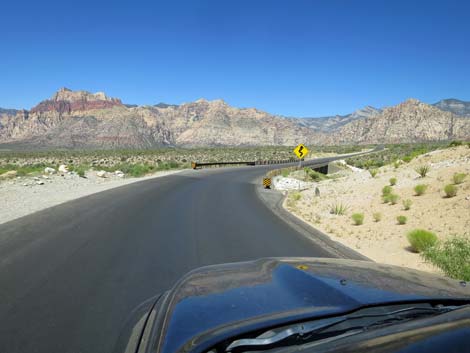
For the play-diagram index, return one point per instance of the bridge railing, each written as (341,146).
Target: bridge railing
(196,165)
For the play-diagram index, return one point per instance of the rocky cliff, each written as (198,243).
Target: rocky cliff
(79,119)
(410,121)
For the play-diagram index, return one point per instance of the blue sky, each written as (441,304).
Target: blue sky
(296,58)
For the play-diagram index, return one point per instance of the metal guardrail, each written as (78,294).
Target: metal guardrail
(196,165)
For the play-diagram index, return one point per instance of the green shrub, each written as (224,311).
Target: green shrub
(450,190)
(407,159)
(22,170)
(393,181)
(455,143)
(393,198)
(420,189)
(285,173)
(407,204)
(452,257)
(377,216)
(358,218)
(422,170)
(386,190)
(396,164)
(338,209)
(79,169)
(314,175)
(401,219)
(296,196)
(386,198)
(421,240)
(373,172)
(458,178)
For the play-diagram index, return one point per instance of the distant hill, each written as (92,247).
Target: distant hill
(8,111)
(80,119)
(331,123)
(455,106)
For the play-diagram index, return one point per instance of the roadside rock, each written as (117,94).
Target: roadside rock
(101,174)
(49,170)
(39,182)
(63,168)
(119,174)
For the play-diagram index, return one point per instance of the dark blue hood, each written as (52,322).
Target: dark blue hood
(217,301)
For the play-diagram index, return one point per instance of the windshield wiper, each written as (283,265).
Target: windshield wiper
(342,326)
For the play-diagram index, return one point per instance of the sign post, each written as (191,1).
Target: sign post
(301,151)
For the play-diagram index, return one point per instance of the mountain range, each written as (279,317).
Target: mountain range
(80,119)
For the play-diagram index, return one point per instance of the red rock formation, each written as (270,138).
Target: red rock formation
(66,101)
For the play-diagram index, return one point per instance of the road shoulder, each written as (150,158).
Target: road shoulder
(274,199)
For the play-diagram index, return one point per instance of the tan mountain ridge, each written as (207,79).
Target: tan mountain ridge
(79,119)
(410,121)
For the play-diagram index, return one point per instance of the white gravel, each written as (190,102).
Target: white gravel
(25,195)
(281,183)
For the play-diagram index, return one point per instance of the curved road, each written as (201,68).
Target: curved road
(71,274)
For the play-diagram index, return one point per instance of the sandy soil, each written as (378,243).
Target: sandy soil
(385,241)
(24,195)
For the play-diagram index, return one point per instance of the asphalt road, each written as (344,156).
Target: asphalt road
(71,274)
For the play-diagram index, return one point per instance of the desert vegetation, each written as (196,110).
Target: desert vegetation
(377,216)
(424,206)
(402,219)
(458,178)
(338,209)
(420,239)
(420,189)
(422,170)
(451,256)
(395,155)
(450,190)
(358,218)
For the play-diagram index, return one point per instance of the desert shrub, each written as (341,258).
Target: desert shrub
(420,189)
(314,175)
(421,240)
(450,190)
(451,256)
(377,216)
(407,159)
(393,181)
(455,143)
(401,219)
(22,170)
(458,178)
(393,198)
(396,164)
(338,209)
(422,170)
(386,190)
(135,170)
(80,169)
(167,165)
(296,196)
(407,204)
(373,172)
(285,173)
(358,218)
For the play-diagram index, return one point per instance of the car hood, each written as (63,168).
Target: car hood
(217,302)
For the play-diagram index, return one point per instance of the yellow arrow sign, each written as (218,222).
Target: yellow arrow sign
(301,151)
